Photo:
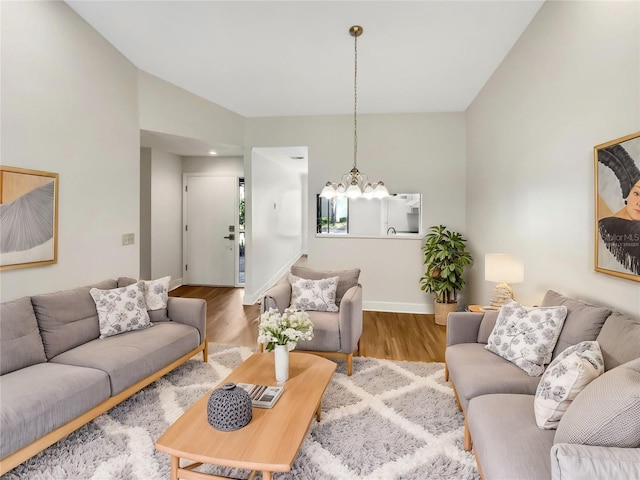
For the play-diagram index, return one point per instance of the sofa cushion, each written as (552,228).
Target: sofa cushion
(567,375)
(69,318)
(61,393)
(619,340)
(476,371)
(346,278)
(20,341)
(607,411)
(121,309)
(313,295)
(583,321)
(527,336)
(326,333)
(129,357)
(487,325)
(508,443)
(156,293)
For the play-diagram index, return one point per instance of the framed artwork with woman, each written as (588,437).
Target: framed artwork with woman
(617,225)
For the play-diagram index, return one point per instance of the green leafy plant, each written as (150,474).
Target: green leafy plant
(445,256)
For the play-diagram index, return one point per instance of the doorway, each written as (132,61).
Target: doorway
(210,226)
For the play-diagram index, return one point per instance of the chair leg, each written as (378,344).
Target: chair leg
(205,352)
(446,373)
(349,364)
(467,436)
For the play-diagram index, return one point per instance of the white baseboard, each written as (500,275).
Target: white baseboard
(252,297)
(175,283)
(397,307)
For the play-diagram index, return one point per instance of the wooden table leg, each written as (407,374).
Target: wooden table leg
(266,475)
(319,411)
(175,464)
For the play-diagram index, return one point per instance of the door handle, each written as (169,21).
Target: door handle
(231,236)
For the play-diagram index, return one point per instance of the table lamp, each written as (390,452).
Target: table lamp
(504,269)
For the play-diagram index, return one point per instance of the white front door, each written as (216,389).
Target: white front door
(210,211)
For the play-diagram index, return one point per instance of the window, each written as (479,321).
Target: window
(333,215)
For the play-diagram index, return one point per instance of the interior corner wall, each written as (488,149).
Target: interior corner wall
(571,82)
(166,216)
(274,231)
(411,153)
(62,111)
(145,213)
(233,166)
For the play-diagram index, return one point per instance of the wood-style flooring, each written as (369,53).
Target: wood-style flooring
(393,336)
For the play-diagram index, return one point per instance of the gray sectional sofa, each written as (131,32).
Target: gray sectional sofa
(56,374)
(599,435)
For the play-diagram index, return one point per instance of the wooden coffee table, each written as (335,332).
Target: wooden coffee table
(270,442)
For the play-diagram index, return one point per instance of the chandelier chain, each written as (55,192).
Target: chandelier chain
(355,102)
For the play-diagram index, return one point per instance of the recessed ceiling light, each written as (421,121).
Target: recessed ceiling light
(212,152)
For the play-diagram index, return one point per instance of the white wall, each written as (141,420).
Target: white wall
(145,213)
(274,224)
(69,105)
(572,81)
(421,153)
(166,108)
(166,216)
(233,166)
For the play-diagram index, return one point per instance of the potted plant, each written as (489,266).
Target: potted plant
(445,256)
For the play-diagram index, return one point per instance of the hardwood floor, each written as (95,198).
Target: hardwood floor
(393,336)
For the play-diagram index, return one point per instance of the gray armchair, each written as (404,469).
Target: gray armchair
(335,334)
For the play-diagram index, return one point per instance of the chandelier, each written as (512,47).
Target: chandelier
(355,184)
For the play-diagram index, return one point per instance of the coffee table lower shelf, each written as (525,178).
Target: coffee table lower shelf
(271,441)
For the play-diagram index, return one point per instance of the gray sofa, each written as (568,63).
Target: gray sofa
(56,374)
(497,399)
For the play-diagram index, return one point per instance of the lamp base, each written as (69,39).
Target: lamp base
(501,295)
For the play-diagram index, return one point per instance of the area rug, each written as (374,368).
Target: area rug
(389,420)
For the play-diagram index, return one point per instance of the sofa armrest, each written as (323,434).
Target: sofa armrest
(278,296)
(463,327)
(350,319)
(189,311)
(585,462)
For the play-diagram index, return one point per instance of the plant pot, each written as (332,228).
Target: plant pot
(442,310)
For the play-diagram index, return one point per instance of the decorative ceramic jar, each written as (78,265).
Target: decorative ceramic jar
(281,353)
(229,408)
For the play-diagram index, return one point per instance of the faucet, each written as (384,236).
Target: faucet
(392,230)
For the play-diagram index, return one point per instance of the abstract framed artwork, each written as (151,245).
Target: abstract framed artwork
(617,209)
(28,218)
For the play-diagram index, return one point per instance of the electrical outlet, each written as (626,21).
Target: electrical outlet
(127,239)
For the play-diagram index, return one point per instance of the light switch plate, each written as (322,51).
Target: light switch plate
(128,239)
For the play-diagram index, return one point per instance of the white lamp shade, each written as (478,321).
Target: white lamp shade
(503,268)
(354,191)
(328,191)
(380,191)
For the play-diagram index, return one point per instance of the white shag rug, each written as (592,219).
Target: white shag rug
(388,421)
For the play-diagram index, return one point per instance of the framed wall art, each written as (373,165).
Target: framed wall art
(28,218)
(617,209)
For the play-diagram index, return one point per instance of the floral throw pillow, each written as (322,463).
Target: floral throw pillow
(526,336)
(121,309)
(156,293)
(565,377)
(316,295)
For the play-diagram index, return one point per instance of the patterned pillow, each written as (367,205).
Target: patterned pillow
(121,309)
(156,293)
(526,336)
(318,295)
(564,379)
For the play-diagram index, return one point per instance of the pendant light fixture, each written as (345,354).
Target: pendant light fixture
(355,184)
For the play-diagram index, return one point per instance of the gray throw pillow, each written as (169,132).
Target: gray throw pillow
(607,412)
(583,321)
(346,278)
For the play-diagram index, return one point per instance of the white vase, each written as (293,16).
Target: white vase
(282,363)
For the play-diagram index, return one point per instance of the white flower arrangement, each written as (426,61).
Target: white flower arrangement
(285,328)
